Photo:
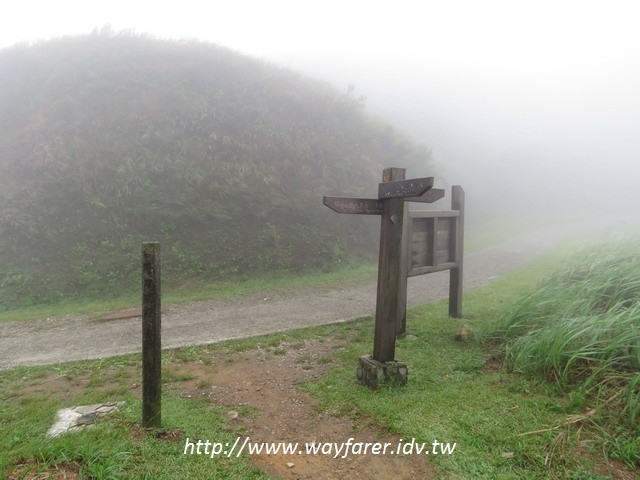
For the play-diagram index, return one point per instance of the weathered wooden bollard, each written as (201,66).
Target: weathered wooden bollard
(151,345)
(381,368)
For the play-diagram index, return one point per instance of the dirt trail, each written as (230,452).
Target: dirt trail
(269,384)
(55,340)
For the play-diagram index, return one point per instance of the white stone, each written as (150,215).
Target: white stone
(76,417)
(65,419)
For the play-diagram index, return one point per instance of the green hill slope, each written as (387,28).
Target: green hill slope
(106,141)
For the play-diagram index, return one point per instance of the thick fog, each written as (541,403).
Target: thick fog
(534,107)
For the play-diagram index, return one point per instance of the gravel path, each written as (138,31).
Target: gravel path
(55,340)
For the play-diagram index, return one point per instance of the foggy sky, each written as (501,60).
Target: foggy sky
(533,103)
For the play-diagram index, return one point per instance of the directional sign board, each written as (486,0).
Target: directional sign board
(430,196)
(372,206)
(405,188)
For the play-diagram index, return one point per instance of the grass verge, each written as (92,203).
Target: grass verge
(580,329)
(280,281)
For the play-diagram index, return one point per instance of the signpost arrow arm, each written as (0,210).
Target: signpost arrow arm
(404,188)
(431,195)
(365,206)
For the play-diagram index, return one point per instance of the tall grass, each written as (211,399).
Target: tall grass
(581,328)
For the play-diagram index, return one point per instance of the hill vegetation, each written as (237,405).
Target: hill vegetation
(109,140)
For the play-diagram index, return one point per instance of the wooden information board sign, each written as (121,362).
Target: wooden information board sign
(434,241)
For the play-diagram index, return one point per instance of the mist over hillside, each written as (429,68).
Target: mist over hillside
(549,133)
(108,140)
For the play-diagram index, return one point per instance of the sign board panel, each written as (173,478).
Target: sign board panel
(432,241)
(431,195)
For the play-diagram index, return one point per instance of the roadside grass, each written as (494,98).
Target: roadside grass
(505,424)
(116,447)
(581,330)
(197,289)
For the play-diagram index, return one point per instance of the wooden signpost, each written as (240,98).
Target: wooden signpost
(393,193)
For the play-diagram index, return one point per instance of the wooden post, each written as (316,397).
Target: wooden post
(455,274)
(151,322)
(388,299)
(393,175)
(407,233)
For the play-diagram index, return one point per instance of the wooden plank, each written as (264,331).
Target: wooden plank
(431,240)
(419,258)
(432,195)
(442,232)
(444,245)
(414,272)
(417,214)
(443,242)
(419,237)
(442,255)
(414,187)
(419,263)
(419,225)
(445,224)
(364,206)
(420,248)
(393,174)
(419,254)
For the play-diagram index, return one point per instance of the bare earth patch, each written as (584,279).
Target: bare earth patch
(259,389)
(267,382)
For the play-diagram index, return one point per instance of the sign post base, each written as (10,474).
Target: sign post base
(374,374)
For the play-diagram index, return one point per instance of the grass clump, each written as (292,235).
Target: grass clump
(581,329)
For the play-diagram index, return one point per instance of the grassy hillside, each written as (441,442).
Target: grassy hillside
(108,140)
